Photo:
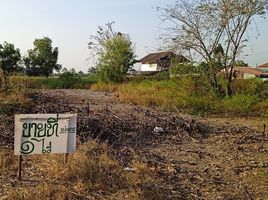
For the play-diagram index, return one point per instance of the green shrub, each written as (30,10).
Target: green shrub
(239,104)
(69,79)
(201,105)
(159,76)
(264,90)
(247,86)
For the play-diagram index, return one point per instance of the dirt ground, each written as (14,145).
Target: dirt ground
(194,158)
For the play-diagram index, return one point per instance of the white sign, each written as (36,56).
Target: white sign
(45,133)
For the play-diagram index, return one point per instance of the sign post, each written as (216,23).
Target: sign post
(20,167)
(44,134)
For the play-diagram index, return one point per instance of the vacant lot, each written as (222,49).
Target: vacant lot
(121,155)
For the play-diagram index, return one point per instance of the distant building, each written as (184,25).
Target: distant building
(249,72)
(263,67)
(161,61)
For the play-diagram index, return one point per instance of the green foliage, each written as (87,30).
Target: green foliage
(201,105)
(159,76)
(240,63)
(116,60)
(115,54)
(183,68)
(248,86)
(42,60)
(10,58)
(69,79)
(239,104)
(91,70)
(38,82)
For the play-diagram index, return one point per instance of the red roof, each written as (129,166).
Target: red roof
(250,70)
(263,66)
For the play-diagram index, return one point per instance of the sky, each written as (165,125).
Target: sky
(69,23)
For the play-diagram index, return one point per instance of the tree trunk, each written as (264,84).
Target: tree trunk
(2,78)
(229,79)
(229,91)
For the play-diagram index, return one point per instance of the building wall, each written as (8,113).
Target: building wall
(149,67)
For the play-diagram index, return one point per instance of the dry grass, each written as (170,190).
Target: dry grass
(151,93)
(16,94)
(258,178)
(7,160)
(91,173)
(100,86)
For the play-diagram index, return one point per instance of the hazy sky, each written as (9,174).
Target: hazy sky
(69,23)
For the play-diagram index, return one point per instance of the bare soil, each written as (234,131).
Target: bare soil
(194,158)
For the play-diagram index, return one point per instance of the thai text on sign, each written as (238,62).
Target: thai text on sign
(45,133)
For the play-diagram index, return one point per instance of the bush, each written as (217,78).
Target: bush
(69,79)
(201,105)
(247,86)
(160,76)
(239,104)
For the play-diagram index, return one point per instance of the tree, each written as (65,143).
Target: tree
(72,70)
(9,61)
(91,70)
(81,73)
(10,58)
(69,79)
(64,70)
(42,59)
(201,26)
(240,63)
(115,53)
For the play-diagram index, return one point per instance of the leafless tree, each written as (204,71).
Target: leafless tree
(97,42)
(204,26)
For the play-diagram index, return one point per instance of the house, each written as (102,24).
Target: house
(249,72)
(161,61)
(263,67)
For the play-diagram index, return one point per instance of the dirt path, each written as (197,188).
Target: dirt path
(193,159)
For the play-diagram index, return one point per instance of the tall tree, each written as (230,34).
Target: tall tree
(10,58)
(200,26)
(42,59)
(115,53)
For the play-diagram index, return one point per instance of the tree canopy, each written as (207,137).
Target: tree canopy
(10,58)
(115,53)
(201,26)
(42,59)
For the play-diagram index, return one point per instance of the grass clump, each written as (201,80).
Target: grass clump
(239,103)
(89,172)
(105,87)
(69,79)
(7,160)
(12,97)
